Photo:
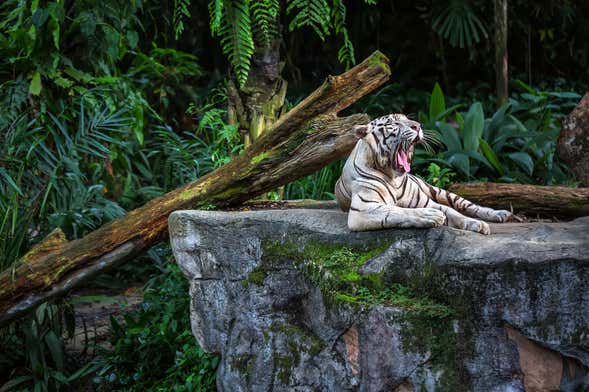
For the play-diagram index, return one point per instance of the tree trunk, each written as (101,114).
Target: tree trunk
(501,64)
(257,105)
(531,200)
(300,142)
(573,142)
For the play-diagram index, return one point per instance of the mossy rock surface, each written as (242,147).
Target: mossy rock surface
(293,300)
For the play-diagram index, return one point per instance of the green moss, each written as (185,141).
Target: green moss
(335,270)
(186,194)
(315,347)
(257,277)
(447,351)
(228,193)
(306,342)
(380,60)
(342,297)
(428,319)
(244,364)
(260,157)
(284,364)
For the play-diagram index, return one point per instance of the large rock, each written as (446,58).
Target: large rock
(278,295)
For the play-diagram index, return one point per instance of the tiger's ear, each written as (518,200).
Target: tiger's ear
(361,130)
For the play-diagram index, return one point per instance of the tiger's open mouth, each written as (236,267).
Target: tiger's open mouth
(403,158)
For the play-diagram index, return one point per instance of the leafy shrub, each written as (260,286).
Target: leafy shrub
(440,177)
(32,351)
(153,348)
(517,143)
(319,185)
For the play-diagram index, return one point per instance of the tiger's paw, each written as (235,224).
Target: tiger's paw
(500,216)
(430,217)
(478,226)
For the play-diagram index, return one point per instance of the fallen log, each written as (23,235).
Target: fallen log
(530,200)
(300,142)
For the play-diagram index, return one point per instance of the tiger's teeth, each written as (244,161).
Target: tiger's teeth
(403,161)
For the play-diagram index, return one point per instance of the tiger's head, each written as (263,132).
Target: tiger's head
(392,139)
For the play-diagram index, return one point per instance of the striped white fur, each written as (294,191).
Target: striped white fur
(378,192)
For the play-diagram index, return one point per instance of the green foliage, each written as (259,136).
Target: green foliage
(55,174)
(345,55)
(244,25)
(235,31)
(33,353)
(319,185)
(162,74)
(180,12)
(153,348)
(265,15)
(439,177)
(310,13)
(517,143)
(458,23)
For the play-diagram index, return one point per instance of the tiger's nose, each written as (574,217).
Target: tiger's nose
(417,128)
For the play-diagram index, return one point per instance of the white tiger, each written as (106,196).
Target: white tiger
(378,191)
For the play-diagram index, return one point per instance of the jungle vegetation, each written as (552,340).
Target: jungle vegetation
(108,104)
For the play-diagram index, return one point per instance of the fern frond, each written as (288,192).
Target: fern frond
(180,12)
(265,20)
(310,13)
(236,37)
(345,54)
(216,13)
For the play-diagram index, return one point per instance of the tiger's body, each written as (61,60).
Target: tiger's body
(378,191)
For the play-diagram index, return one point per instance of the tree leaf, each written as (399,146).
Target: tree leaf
(132,39)
(490,155)
(9,386)
(39,17)
(474,123)
(450,136)
(461,162)
(35,86)
(496,121)
(55,348)
(437,103)
(524,160)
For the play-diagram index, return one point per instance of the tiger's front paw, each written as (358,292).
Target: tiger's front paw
(500,216)
(430,217)
(478,226)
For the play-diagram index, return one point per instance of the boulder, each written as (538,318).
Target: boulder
(293,301)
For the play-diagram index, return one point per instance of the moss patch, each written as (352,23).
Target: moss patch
(335,270)
(297,341)
(382,61)
(244,364)
(260,157)
(257,277)
(448,348)
(428,323)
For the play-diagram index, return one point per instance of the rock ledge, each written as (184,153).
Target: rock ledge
(292,300)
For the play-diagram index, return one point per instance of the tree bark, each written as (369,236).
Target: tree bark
(573,142)
(501,63)
(257,105)
(531,200)
(299,143)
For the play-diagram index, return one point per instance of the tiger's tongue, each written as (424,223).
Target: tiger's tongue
(402,161)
